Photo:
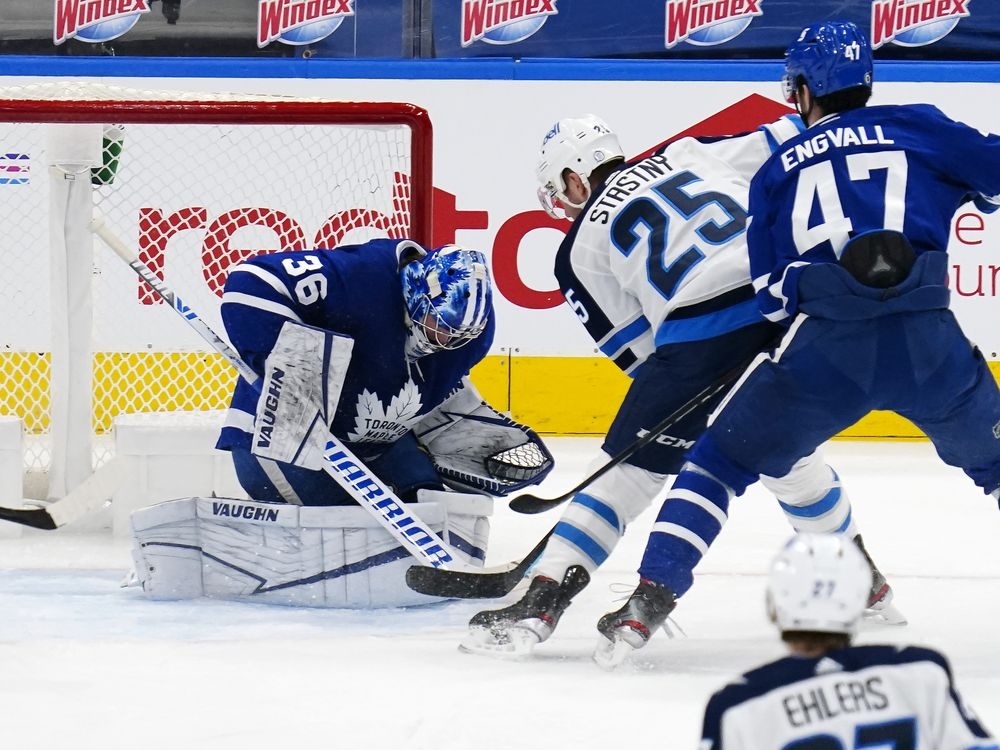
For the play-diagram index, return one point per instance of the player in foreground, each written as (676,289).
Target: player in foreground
(848,249)
(828,694)
(655,266)
(373,343)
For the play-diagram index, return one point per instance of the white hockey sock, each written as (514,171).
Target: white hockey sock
(812,497)
(585,535)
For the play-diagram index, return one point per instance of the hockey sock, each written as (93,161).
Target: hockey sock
(690,518)
(585,535)
(812,497)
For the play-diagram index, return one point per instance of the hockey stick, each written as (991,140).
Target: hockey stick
(480,584)
(87,496)
(529,504)
(494,584)
(349,472)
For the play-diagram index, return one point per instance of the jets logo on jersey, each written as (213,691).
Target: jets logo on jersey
(96,20)
(915,23)
(14,169)
(708,22)
(300,21)
(503,21)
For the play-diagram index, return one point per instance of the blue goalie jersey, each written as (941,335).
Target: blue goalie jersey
(354,291)
(908,168)
(858,697)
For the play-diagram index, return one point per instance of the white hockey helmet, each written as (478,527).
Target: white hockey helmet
(818,582)
(579,144)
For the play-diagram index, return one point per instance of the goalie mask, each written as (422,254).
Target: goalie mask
(579,144)
(818,582)
(448,296)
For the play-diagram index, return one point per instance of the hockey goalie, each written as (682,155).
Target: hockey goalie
(373,344)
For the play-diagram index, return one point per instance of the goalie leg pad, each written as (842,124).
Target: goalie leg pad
(335,557)
(166,555)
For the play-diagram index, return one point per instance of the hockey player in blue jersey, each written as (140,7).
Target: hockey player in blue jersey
(848,237)
(418,322)
(373,344)
(828,693)
(655,267)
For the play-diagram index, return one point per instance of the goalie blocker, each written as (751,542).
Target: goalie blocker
(333,556)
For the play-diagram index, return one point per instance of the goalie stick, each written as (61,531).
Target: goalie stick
(392,514)
(87,496)
(529,504)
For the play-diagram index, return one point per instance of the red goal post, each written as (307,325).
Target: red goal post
(195,182)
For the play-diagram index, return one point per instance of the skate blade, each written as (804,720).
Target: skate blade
(887,614)
(609,654)
(512,644)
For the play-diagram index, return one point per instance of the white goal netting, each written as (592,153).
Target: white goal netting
(196,183)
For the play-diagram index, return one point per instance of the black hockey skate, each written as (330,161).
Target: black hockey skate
(880,607)
(515,630)
(631,627)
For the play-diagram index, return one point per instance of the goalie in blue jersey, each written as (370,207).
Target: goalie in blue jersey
(848,249)
(828,693)
(416,323)
(372,343)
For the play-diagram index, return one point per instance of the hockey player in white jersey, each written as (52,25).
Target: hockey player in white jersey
(655,266)
(828,693)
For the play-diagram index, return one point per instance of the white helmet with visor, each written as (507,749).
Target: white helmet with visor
(579,144)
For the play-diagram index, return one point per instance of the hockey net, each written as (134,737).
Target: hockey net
(195,182)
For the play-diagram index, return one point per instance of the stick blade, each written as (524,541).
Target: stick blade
(37,518)
(461,584)
(530,504)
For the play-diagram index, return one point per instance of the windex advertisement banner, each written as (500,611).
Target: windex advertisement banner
(953,29)
(935,29)
(378,28)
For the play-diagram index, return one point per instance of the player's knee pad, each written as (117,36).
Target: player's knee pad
(292,555)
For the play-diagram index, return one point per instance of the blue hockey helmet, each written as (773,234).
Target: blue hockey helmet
(830,56)
(448,296)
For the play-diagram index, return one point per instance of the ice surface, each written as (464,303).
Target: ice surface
(87,664)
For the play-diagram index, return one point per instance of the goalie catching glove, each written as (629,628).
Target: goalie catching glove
(475,447)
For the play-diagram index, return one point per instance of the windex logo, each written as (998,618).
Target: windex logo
(300,21)
(96,20)
(503,21)
(708,22)
(915,23)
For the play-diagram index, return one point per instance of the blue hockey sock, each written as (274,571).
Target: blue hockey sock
(688,522)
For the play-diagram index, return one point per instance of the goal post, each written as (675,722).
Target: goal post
(195,182)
